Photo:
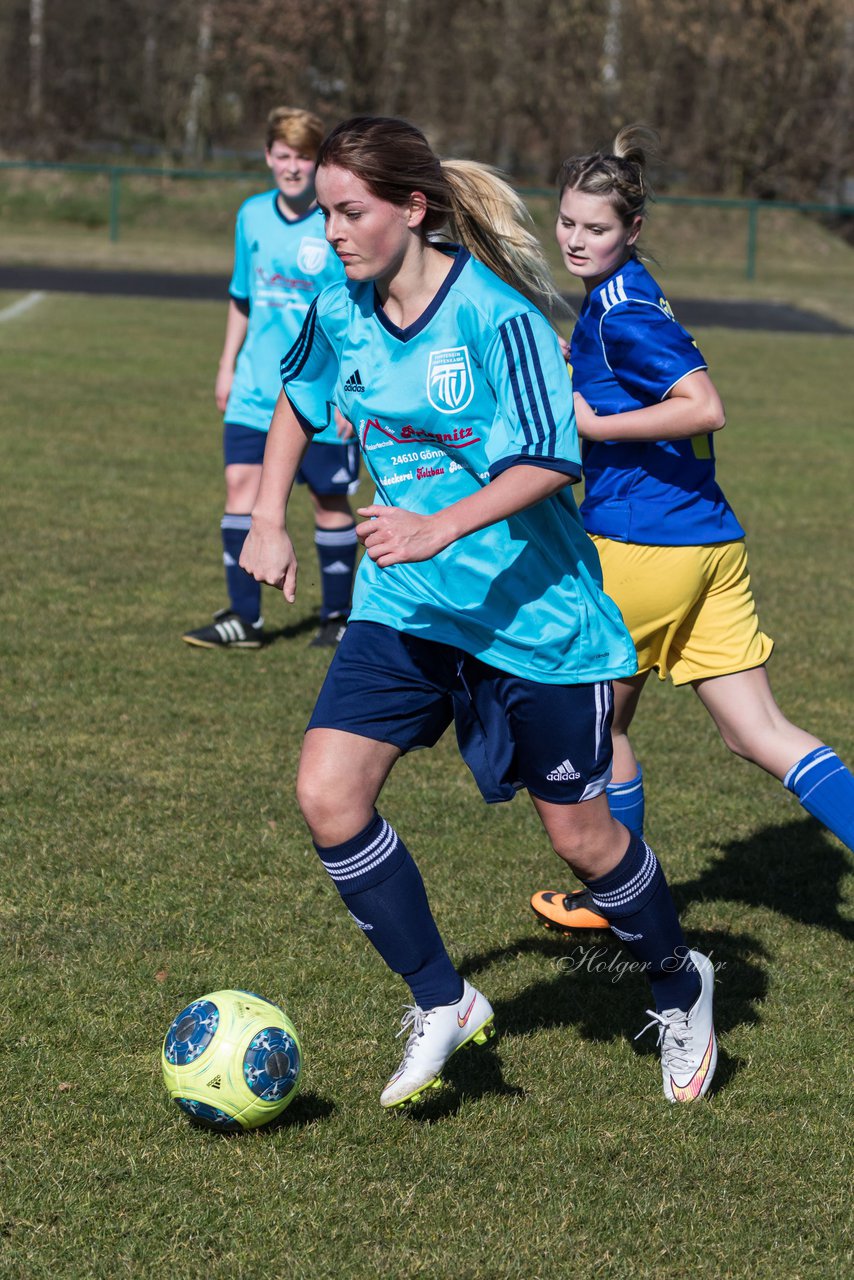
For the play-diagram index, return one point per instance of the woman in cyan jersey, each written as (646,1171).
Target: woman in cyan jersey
(479,599)
(672,550)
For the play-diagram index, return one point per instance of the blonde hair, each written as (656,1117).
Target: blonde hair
(619,174)
(295,128)
(465,201)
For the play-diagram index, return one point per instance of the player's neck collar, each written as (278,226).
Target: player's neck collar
(461,257)
(292,222)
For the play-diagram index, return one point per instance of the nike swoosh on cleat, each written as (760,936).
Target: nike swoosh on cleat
(687,1092)
(462,1021)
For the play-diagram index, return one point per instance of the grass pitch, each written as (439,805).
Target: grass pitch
(152,851)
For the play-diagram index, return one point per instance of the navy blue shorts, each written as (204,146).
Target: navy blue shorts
(243,444)
(554,740)
(326,468)
(330,468)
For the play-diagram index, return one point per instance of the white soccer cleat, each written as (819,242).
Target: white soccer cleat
(434,1034)
(689,1051)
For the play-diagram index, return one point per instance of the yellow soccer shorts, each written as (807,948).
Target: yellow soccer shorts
(690,610)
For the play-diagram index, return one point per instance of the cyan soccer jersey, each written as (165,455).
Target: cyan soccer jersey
(474,386)
(628,351)
(279,268)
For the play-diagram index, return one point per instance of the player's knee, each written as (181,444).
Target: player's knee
(317,800)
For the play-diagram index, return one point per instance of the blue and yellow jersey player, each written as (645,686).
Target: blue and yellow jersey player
(479,598)
(672,551)
(281,263)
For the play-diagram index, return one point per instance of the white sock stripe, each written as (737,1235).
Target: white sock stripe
(231,521)
(633,888)
(803,799)
(625,788)
(793,777)
(371,856)
(335,537)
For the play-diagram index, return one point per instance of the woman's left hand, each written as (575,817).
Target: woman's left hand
(393,535)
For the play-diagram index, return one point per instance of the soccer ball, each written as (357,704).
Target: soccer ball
(232,1060)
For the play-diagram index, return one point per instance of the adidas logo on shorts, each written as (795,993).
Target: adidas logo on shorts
(354,382)
(564,772)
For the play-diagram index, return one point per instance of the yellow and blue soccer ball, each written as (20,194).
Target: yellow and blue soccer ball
(232,1060)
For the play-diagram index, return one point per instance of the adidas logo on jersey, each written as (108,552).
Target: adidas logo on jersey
(354,382)
(564,772)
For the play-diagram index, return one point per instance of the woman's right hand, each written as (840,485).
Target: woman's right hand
(222,387)
(268,556)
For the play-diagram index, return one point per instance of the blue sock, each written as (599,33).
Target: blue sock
(625,800)
(384,893)
(825,788)
(636,894)
(336,551)
(244,592)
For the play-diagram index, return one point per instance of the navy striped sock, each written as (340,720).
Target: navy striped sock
(244,592)
(336,552)
(636,895)
(382,889)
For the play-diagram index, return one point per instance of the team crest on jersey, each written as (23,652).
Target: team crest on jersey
(450,386)
(311,257)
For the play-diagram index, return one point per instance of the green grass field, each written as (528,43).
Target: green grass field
(152,851)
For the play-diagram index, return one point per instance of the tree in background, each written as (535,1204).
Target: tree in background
(752,97)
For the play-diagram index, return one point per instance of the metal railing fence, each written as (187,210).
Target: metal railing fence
(116,173)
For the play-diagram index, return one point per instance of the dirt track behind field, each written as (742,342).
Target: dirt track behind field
(694,313)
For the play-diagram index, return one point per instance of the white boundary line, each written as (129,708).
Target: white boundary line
(18,308)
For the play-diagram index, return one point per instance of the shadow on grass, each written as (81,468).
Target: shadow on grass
(293,631)
(306,1109)
(597,988)
(792,869)
(472,1074)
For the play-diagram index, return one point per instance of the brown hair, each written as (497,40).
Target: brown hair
(466,201)
(619,174)
(295,128)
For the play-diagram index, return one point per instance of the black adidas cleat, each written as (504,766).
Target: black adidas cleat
(328,634)
(228,631)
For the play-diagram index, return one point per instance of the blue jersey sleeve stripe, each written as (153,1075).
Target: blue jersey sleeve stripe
(526,398)
(531,399)
(551,437)
(514,381)
(293,363)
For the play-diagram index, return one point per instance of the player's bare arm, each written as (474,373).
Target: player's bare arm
(268,553)
(691,408)
(393,535)
(237,322)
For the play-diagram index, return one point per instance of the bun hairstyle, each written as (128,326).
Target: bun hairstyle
(619,174)
(466,202)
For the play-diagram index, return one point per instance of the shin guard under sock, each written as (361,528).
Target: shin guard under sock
(382,888)
(635,894)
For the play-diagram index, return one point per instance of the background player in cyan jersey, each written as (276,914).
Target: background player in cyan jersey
(672,550)
(281,262)
(479,599)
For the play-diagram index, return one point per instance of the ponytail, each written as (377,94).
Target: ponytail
(490,219)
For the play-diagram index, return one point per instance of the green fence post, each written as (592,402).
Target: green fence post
(752,229)
(115,178)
